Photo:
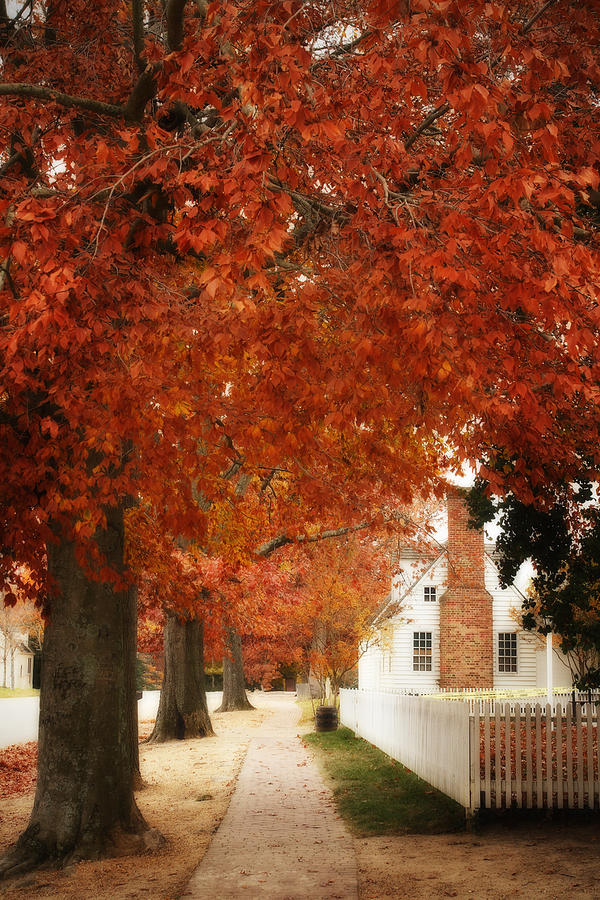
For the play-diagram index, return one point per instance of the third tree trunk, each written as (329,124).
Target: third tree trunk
(234,688)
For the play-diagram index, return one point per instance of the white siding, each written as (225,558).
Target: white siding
(561,674)
(15,661)
(369,665)
(415,614)
(377,672)
(506,604)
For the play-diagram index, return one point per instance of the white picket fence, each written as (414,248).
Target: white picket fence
(487,753)
(536,756)
(427,736)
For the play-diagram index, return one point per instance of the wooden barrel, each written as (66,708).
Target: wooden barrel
(326,718)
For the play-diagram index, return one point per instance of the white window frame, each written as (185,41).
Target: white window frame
(430,589)
(505,658)
(419,651)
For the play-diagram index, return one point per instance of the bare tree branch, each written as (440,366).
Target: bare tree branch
(202,7)
(266,481)
(429,120)
(43,93)
(307,201)
(5,21)
(531,22)
(342,50)
(175,20)
(10,162)
(143,91)
(5,265)
(282,539)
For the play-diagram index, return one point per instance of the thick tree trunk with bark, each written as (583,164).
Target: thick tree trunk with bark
(234,687)
(84,805)
(183,710)
(130,659)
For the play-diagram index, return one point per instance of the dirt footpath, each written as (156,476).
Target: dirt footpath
(498,863)
(282,836)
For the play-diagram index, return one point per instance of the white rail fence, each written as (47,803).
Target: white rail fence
(19,716)
(487,753)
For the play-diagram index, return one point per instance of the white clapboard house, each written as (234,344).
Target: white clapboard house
(16,660)
(448,624)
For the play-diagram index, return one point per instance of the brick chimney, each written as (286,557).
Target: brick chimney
(466,642)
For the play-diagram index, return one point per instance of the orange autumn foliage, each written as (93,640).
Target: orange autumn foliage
(339,585)
(341,239)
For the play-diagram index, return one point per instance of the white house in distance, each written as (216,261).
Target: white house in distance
(448,623)
(16,660)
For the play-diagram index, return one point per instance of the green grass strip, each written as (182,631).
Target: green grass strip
(18,692)
(377,795)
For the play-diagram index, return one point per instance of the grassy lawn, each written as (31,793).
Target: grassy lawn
(307,716)
(17,692)
(377,795)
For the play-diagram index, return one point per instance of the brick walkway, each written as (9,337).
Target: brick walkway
(281,837)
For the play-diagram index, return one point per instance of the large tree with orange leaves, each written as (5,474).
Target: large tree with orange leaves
(339,238)
(340,584)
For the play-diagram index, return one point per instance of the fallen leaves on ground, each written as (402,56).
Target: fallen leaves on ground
(18,769)
(18,765)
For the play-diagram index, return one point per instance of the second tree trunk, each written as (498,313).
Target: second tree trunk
(183,710)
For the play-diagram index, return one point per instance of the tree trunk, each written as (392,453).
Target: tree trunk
(182,710)
(234,688)
(130,659)
(84,805)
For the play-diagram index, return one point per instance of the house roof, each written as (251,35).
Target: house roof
(380,609)
(389,609)
(430,556)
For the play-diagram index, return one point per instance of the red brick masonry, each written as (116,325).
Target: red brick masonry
(466,642)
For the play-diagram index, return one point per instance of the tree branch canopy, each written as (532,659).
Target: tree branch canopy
(282,539)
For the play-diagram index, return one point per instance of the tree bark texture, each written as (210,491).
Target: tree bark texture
(130,660)
(182,710)
(84,805)
(234,686)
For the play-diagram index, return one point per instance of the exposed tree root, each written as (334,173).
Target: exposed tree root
(235,704)
(197,725)
(29,854)
(17,861)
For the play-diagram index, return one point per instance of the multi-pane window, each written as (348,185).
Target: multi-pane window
(422,651)
(429,593)
(507,651)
